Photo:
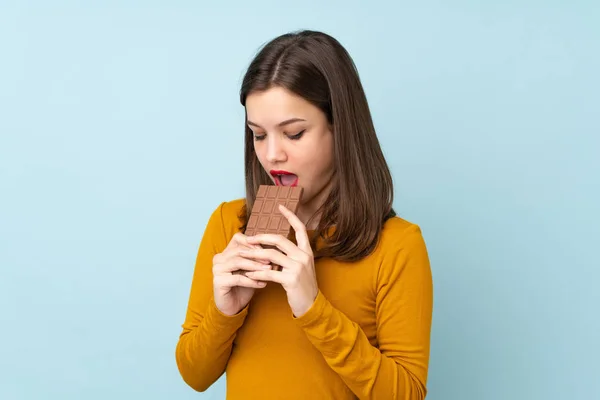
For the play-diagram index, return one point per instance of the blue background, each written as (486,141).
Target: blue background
(121,131)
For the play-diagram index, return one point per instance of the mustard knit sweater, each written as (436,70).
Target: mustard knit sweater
(367,335)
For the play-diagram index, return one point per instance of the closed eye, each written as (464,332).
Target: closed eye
(297,135)
(259,137)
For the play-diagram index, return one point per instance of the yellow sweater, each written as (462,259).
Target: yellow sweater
(366,336)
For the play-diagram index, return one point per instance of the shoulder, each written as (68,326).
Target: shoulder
(397,231)
(401,246)
(230,211)
(225,217)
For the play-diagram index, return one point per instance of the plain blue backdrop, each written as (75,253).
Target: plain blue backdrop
(121,130)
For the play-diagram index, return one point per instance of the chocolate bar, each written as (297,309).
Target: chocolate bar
(265,216)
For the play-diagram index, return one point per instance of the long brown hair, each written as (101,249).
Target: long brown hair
(318,68)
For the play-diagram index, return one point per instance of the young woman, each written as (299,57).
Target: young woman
(349,314)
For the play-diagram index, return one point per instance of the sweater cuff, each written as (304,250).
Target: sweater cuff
(315,312)
(222,321)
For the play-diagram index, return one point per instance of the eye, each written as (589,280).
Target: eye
(258,137)
(297,135)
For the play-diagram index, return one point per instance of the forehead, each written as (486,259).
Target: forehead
(277,104)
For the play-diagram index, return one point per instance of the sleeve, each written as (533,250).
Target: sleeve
(206,341)
(397,367)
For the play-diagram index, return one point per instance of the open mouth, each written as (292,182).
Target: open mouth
(284,178)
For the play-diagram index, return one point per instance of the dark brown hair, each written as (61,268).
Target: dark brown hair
(318,68)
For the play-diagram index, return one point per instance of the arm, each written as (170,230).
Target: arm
(397,369)
(205,344)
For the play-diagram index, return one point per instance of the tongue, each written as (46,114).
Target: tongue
(287,180)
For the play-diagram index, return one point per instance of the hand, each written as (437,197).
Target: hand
(232,290)
(298,267)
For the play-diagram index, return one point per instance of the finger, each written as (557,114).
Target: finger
(299,229)
(231,253)
(241,263)
(251,247)
(272,255)
(228,281)
(243,242)
(269,275)
(279,241)
(240,240)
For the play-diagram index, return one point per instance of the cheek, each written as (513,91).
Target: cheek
(325,153)
(259,153)
(320,161)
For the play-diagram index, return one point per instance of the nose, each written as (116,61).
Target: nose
(275,151)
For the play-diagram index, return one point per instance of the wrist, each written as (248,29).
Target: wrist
(300,312)
(228,313)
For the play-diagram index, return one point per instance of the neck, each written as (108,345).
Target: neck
(307,212)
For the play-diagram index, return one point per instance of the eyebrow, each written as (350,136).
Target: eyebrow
(283,123)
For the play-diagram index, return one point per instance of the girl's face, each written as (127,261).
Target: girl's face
(293,142)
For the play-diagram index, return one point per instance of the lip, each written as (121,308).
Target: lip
(275,172)
(280,172)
